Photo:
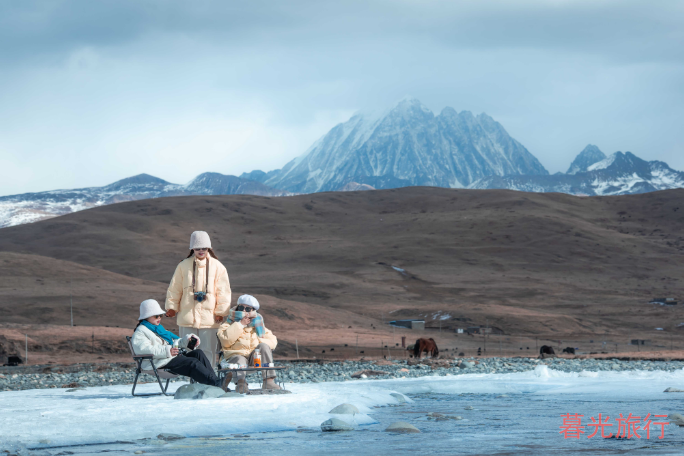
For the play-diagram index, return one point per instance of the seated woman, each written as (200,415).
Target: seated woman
(151,338)
(241,334)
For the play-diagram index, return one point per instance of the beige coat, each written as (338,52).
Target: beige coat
(180,295)
(145,342)
(240,340)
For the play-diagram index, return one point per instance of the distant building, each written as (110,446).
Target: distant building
(484,330)
(640,342)
(411,324)
(664,301)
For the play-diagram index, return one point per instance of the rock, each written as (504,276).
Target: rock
(399,397)
(198,391)
(334,424)
(449,417)
(368,373)
(673,390)
(435,414)
(403,369)
(169,437)
(469,407)
(466,365)
(345,409)
(138,452)
(676,418)
(71,390)
(72,385)
(403,427)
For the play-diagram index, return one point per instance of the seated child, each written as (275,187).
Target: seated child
(241,334)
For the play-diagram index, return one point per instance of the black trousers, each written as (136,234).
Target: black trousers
(194,364)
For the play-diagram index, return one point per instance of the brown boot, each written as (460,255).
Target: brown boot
(226,381)
(242,387)
(270,384)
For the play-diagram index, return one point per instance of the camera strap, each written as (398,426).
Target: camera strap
(206,278)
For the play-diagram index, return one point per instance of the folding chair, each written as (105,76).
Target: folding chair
(159,374)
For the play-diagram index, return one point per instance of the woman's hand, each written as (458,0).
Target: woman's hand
(245,321)
(218,318)
(170,313)
(174,352)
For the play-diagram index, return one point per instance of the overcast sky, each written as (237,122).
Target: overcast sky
(95,91)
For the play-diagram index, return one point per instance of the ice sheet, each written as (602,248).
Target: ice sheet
(108,414)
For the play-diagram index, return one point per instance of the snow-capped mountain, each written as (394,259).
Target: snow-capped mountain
(590,155)
(619,174)
(31,207)
(407,145)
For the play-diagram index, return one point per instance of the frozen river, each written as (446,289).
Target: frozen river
(501,414)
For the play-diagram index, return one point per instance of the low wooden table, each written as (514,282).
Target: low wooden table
(222,374)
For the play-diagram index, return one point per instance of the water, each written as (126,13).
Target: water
(518,423)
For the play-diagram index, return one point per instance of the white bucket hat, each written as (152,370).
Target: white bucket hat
(150,308)
(200,240)
(249,300)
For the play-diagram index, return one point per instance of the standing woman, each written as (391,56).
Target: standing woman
(199,294)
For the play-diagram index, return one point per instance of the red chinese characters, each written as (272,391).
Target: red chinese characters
(572,426)
(627,427)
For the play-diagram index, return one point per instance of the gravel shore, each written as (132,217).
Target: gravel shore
(324,371)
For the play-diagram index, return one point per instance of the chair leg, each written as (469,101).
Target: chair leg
(135,382)
(159,381)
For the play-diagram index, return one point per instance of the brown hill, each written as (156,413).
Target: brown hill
(552,265)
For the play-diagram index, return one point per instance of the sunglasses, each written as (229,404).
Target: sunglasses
(242,308)
(158,316)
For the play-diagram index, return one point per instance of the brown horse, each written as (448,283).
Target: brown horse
(429,346)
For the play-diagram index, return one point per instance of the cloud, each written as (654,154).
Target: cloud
(97,91)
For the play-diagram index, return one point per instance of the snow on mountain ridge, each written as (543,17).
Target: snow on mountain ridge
(603,164)
(31,207)
(619,174)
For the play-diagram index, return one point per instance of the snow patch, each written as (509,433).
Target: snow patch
(603,164)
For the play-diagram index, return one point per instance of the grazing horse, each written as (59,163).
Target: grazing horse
(429,346)
(569,350)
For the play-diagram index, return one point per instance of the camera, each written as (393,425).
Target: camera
(200,296)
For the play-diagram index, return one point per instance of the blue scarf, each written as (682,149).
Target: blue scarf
(159,330)
(257,320)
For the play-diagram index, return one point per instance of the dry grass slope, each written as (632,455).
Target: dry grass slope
(531,264)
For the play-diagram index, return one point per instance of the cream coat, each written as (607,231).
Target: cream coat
(240,340)
(145,342)
(180,295)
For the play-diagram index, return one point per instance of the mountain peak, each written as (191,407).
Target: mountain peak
(406,145)
(410,107)
(588,157)
(140,179)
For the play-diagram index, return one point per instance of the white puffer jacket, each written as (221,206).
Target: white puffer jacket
(145,342)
